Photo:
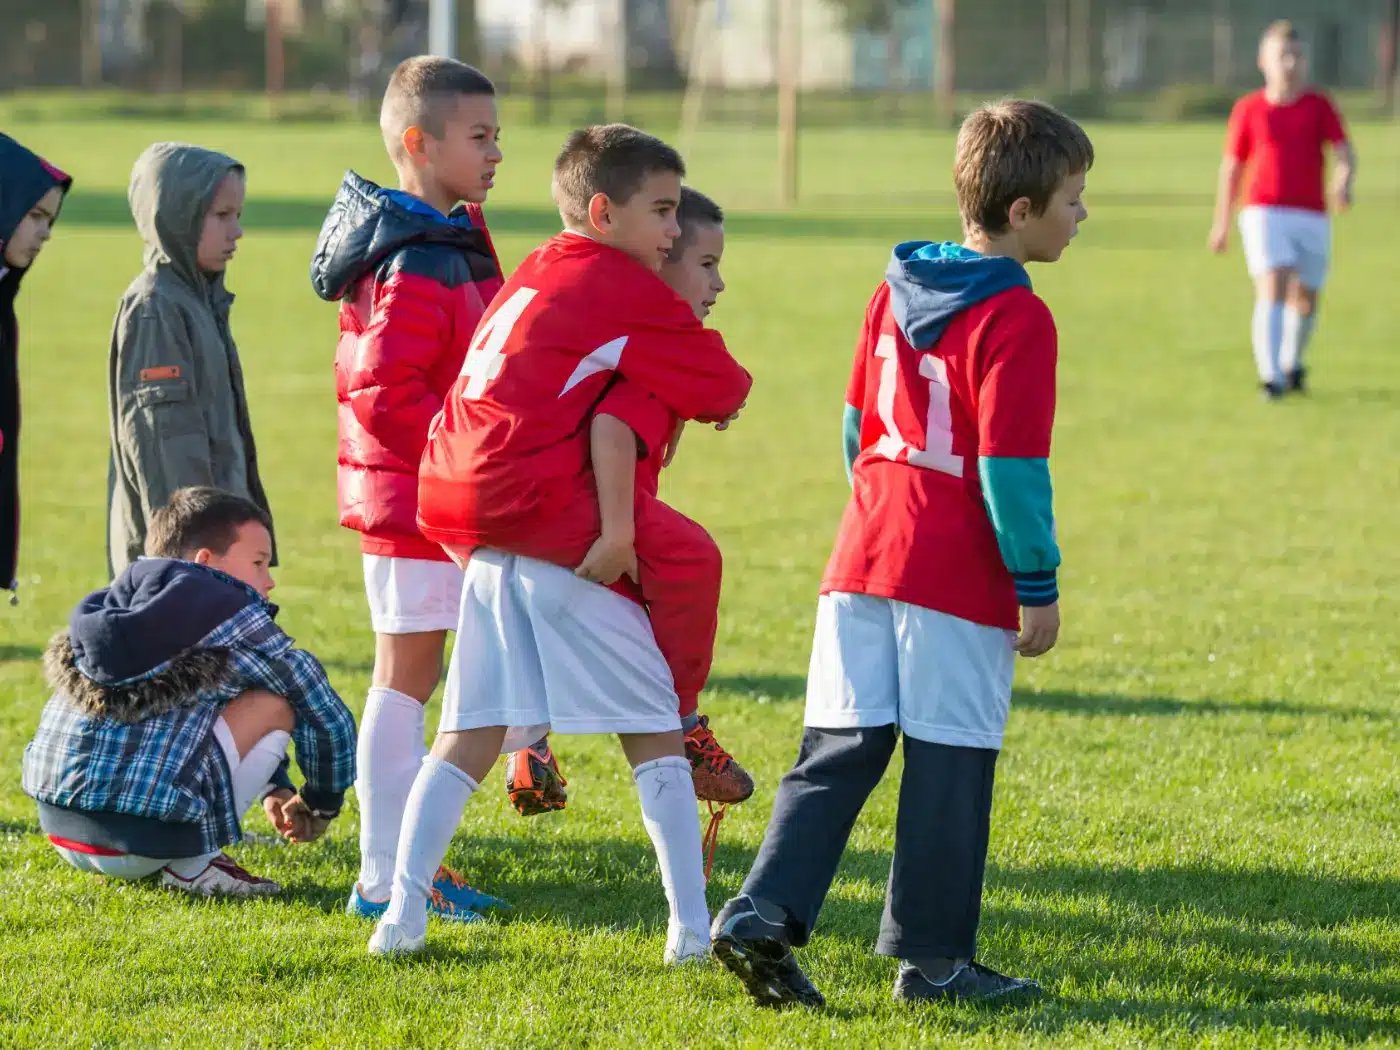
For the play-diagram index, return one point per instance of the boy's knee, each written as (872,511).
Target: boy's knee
(268,711)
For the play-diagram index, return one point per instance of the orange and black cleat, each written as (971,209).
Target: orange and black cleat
(718,778)
(533,780)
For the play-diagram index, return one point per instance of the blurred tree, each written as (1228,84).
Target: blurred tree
(877,16)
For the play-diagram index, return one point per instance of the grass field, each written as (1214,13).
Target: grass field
(1195,839)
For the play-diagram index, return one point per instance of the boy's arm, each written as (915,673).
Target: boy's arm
(614,450)
(671,355)
(1343,156)
(1016,411)
(855,387)
(1227,184)
(159,430)
(390,388)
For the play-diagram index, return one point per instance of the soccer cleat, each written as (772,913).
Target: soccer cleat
(391,940)
(1271,391)
(718,778)
(533,780)
(970,983)
(222,878)
(755,949)
(1297,380)
(685,946)
(454,888)
(451,899)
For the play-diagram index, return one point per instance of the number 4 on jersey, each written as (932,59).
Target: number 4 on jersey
(938,426)
(484,359)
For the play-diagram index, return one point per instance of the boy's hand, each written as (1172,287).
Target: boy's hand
(1341,195)
(673,443)
(1219,238)
(724,424)
(272,806)
(1040,627)
(304,826)
(609,558)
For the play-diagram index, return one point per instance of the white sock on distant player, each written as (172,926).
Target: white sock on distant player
(667,794)
(255,769)
(1268,336)
(440,793)
(1296,330)
(189,867)
(389,755)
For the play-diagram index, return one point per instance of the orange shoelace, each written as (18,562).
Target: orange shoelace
(446,874)
(703,740)
(710,843)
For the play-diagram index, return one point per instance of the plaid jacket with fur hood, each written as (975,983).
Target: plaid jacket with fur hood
(140,676)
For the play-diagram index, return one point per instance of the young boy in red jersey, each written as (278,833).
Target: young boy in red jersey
(1277,134)
(949,529)
(507,467)
(413,273)
(634,435)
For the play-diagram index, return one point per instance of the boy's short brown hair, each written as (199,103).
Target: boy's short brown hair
(1012,149)
(607,158)
(421,94)
(695,209)
(1281,29)
(200,517)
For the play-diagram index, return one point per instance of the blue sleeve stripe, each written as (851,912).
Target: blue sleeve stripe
(850,438)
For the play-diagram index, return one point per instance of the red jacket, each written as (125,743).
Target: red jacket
(412,286)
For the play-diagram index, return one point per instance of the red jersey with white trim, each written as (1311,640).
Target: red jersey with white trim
(916,528)
(1282,146)
(511,443)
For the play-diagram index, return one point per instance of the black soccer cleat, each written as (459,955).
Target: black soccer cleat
(1271,391)
(1297,380)
(755,949)
(971,983)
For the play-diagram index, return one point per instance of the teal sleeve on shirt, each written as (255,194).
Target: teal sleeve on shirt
(850,438)
(1019,500)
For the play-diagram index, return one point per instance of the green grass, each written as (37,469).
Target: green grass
(1195,835)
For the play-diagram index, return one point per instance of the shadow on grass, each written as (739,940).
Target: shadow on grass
(1161,706)
(20,652)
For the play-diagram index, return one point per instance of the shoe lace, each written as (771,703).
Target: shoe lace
(447,875)
(710,843)
(702,739)
(229,866)
(546,758)
(441,903)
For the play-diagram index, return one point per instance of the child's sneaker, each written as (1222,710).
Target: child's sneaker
(754,948)
(221,878)
(684,945)
(718,778)
(533,780)
(391,940)
(1297,380)
(969,983)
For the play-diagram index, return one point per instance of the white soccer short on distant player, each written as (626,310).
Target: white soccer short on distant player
(1287,238)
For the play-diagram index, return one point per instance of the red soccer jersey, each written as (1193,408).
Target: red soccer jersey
(916,528)
(1282,147)
(511,443)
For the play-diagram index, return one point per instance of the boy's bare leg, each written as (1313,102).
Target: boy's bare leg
(667,796)
(407,668)
(253,714)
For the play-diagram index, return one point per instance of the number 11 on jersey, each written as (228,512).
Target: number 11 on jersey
(938,423)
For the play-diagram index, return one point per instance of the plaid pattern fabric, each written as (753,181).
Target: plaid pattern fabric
(170,767)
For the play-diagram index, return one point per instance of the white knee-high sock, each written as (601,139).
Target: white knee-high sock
(440,793)
(1296,330)
(1267,334)
(255,769)
(388,757)
(667,794)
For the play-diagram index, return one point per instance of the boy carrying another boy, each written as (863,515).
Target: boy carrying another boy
(1280,133)
(949,528)
(413,273)
(175,696)
(507,467)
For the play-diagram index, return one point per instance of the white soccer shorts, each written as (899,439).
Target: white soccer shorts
(410,595)
(876,661)
(1287,238)
(540,649)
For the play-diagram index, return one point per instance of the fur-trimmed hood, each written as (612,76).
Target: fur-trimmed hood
(181,681)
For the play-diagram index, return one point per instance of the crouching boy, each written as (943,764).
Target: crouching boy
(175,696)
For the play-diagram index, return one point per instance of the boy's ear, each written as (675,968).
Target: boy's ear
(600,212)
(1019,213)
(203,556)
(413,144)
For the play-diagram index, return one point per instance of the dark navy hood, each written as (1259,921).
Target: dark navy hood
(367,222)
(930,283)
(152,613)
(24,178)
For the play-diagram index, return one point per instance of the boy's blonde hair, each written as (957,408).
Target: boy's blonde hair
(1282,29)
(612,159)
(1012,149)
(421,94)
